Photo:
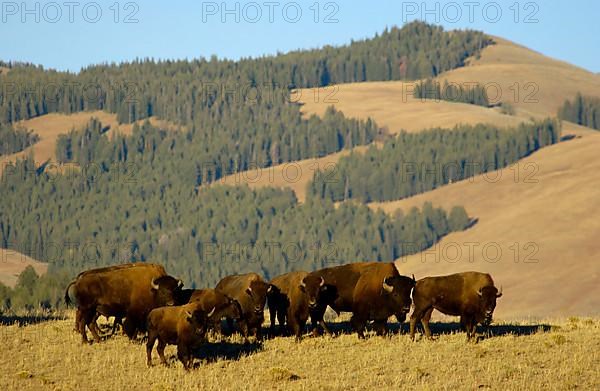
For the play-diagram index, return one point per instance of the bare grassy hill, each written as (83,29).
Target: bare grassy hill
(537,230)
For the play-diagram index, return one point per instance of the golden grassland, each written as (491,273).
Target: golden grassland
(554,354)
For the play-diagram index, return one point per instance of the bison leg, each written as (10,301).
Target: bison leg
(130,327)
(381,327)
(416,316)
(161,351)
(150,345)
(77,321)
(87,318)
(184,355)
(358,324)
(281,319)
(295,328)
(425,322)
(470,326)
(243,326)
(258,332)
(272,316)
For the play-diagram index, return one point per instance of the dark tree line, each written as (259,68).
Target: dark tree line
(452,92)
(583,110)
(414,163)
(184,91)
(15,139)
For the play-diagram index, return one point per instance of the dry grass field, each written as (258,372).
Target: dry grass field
(515,356)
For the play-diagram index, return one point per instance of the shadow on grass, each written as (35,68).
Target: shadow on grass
(225,350)
(25,320)
(438,328)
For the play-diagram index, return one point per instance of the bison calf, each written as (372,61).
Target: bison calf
(470,295)
(184,326)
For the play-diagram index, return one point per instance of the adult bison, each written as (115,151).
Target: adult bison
(371,291)
(470,295)
(184,326)
(250,291)
(129,292)
(292,298)
(225,307)
(117,321)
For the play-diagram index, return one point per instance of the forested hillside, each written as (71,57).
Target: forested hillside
(76,224)
(414,163)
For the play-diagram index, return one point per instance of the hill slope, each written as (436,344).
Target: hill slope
(550,211)
(558,213)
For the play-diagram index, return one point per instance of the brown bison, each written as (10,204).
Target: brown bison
(184,326)
(129,292)
(470,295)
(117,321)
(292,298)
(250,291)
(225,307)
(371,291)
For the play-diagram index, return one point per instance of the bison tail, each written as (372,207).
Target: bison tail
(68,301)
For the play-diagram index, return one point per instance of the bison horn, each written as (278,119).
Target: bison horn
(413,277)
(500,293)
(322,282)
(386,287)
(270,289)
(480,293)
(179,283)
(154,284)
(211,312)
(188,315)
(303,284)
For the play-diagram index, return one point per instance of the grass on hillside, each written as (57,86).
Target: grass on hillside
(561,355)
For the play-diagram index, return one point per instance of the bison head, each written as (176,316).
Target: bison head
(312,286)
(198,317)
(258,293)
(398,289)
(487,302)
(164,289)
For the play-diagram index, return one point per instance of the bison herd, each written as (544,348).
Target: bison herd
(144,298)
